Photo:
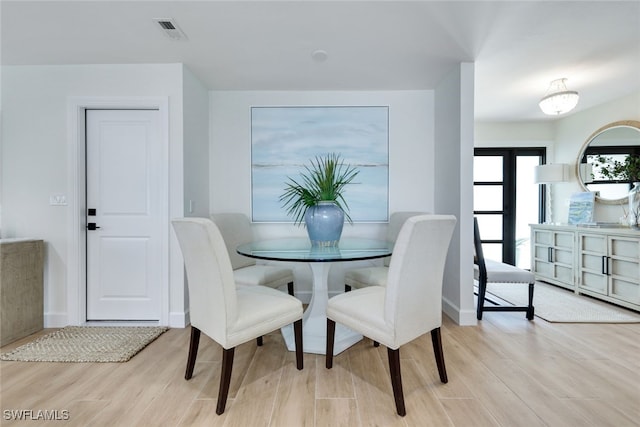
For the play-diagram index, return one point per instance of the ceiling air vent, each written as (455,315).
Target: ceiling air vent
(170,28)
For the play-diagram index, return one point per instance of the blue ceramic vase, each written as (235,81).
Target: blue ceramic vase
(324,223)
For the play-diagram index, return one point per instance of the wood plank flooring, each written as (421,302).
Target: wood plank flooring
(505,372)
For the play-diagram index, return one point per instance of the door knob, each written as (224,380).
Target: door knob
(92,226)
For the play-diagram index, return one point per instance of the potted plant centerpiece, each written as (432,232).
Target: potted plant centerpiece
(627,171)
(317,198)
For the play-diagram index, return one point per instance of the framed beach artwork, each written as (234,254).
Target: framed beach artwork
(285,139)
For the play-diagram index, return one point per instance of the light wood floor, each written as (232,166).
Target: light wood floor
(505,372)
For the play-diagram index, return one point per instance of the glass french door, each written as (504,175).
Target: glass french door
(506,200)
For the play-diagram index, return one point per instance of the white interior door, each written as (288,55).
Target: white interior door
(124,251)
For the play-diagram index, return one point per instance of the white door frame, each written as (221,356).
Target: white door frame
(76,227)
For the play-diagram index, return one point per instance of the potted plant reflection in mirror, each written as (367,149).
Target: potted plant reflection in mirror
(626,171)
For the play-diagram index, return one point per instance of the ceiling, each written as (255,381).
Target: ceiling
(517,47)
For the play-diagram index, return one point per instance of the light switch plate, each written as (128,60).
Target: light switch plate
(58,200)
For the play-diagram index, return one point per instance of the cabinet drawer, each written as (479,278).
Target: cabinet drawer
(593,244)
(625,290)
(626,248)
(564,274)
(541,252)
(593,263)
(594,281)
(627,270)
(543,237)
(562,256)
(543,268)
(564,240)
(551,255)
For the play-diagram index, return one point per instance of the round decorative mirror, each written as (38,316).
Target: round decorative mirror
(611,143)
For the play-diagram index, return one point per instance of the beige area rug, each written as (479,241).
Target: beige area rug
(555,304)
(87,344)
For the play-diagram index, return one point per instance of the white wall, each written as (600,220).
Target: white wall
(411,158)
(35,157)
(196,145)
(454,186)
(196,180)
(515,134)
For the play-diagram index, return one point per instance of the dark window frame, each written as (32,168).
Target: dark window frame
(508,212)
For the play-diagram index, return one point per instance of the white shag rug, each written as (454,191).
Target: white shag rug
(87,344)
(555,304)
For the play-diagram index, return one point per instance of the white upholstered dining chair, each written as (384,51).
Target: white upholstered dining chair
(410,304)
(377,275)
(236,230)
(228,314)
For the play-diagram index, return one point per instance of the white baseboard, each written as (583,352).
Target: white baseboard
(56,320)
(461,317)
(179,319)
(60,320)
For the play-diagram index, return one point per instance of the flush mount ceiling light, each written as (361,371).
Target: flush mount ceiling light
(559,99)
(319,55)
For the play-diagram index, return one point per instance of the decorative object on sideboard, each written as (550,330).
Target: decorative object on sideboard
(614,142)
(318,198)
(581,206)
(558,99)
(634,206)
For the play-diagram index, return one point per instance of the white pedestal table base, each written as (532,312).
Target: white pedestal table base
(314,321)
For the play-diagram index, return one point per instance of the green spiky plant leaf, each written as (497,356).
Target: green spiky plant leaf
(324,180)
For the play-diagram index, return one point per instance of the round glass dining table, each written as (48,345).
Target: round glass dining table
(320,259)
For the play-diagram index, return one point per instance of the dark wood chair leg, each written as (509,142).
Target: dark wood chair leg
(347,288)
(531,310)
(225,379)
(331,335)
(259,341)
(297,332)
(482,290)
(193,352)
(290,288)
(396,380)
(436,339)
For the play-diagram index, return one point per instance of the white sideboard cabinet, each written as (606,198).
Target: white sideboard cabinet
(553,254)
(604,262)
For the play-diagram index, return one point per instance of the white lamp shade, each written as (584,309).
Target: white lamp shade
(555,172)
(586,172)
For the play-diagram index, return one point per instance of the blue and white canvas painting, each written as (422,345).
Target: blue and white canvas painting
(285,139)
